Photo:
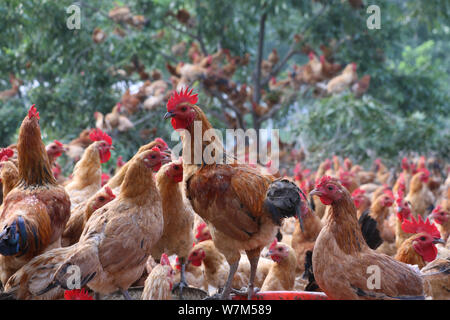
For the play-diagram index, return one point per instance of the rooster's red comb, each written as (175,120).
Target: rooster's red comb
(425,171)
(5,154)
(200,228)
(323,181)
(419,226)
(165,260)
(77,294)
(389,193)
(162,143)
(358,192)
(180,97)
(273,245)
(32,112)
(58,143)
(437,209)
(98,135)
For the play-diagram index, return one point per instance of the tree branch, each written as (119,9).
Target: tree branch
(227,104)
(257,75)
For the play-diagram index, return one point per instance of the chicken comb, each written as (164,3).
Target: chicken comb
(180,97)
(177,263)
(58,143)
(437,209)
(119,161)
(32,112)
(419,226)
(389,193)
(6,153)
(298,168)
(105,178)
(162,142)
(156,149)
(405,163)
(77,294)
(99,135)
(200,228)
(400,195)
(273,245)
(164,260)
(425,171)
(311,55)
(421,163)
(324,180)
(109,192)
(358,192)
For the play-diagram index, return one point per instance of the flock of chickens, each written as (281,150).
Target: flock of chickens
(229,229)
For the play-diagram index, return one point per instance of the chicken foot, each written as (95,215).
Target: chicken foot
(183,283)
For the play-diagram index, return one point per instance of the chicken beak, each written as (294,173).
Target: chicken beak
(168,115)
(438,240)
(315,192)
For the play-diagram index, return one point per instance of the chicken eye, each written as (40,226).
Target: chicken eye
(153,157)
(279,249)
(330,188)
(101,198)
(183,109)
(422,238)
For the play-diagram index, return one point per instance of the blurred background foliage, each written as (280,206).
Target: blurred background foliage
(406,108)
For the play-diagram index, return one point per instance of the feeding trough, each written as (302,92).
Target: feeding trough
(284,295)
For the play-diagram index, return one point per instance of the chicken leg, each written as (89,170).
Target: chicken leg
(182,284)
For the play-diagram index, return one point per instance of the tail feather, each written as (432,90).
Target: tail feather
(283,200)
(309,273)
(370,231)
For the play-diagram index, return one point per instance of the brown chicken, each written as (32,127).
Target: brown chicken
(216,267)
(10,93)
(419,195)
(420,248)
(344,80)
(329,69)
(341,257)
(116,181)
(158,285)
(441,217)
(87,173)
(436,273)
(178,234)
(304,241)
(237,202)
(361,200)
(114,246)
(281,275)
(36,211)
(403,211)
(75,148)
(81,214)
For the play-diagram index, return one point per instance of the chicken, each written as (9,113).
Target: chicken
(130,102)
(341,257)
(361,200)
(420,248)
(9,176)
(54,150)
(281,275)
(344,80)
(75,148)
(436,273)
(382,173)
(10,93)
(216,267)
(203,233)
(442,218)
(116,181)
(36,210)
(158,285)
(88,171)
(194,274)
(114,246)
(329,69)
(98,36)
(379,211)
(312,71)
(361,86)
(403,211)
(178,234)
(237,202)
(81,213)
(304,241)
(319,207)
(420,197)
